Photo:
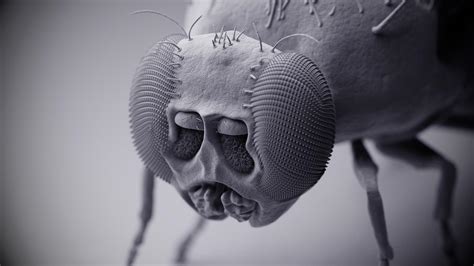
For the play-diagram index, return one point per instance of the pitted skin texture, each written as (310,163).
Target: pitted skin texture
(384,86)
(218,76)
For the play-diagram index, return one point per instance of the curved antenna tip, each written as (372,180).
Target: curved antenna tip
(294,35)
(194,23)
(147,11)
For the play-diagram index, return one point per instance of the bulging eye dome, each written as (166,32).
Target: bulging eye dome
(152,90)
(294,120)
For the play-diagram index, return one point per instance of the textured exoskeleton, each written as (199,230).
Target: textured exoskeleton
(243,128)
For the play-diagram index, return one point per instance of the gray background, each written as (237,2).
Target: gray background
(70,187)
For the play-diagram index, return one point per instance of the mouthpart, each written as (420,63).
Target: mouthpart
(216,201)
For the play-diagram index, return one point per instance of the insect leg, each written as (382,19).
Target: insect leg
(420,155)
(366,173)
(183,248)
(145,214)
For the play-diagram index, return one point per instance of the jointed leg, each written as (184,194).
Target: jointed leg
(145,214)
(419,155)
(366,172)
(183,248)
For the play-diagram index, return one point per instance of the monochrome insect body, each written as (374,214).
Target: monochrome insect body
(243,124)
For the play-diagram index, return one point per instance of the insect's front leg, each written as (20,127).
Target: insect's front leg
(366,172)
(419,155)
(145,214)
(183,248)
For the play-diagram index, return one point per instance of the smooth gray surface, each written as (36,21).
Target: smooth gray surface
(71,189)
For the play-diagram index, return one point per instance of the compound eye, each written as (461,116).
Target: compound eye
(190,135)
(233,138)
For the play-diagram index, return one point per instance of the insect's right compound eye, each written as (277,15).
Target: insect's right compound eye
(294,120)
(190,135)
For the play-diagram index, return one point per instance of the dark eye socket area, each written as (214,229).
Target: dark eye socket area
(188,143)
(190,135)
(235,152)
(233,138)
(232,135)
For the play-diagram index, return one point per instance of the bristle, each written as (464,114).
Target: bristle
(160,14)
(240,34)
(293,35)
(179,56)
(221,34)
(175,65)
(254,67)
(378,28)
(171,43)
(228,39)
(332,11)
(258,35)
(194,23)
(225,38)
(359,6)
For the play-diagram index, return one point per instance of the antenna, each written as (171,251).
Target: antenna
(194,23)
(163,15)
(293,35)
(258,35)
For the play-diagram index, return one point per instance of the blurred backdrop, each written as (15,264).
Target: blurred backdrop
(70,184)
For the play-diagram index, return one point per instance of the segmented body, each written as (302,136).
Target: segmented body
(385,85)
(377,67)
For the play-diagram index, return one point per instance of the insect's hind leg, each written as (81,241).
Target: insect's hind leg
(419,155)
(183,248)
(366,173)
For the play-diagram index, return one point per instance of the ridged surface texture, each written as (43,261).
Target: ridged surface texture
(294,118)
(152,91)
